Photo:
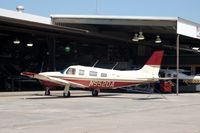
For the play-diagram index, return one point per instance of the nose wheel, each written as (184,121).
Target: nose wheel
(95,93)
(47,92)
(66,92)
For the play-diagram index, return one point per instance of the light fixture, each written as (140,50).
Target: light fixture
(67,49)
(30,44)
(141,36)
(158,40)
(135,38)
(195,48)
(16,41)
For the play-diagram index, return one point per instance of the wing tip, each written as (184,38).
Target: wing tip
(29,74)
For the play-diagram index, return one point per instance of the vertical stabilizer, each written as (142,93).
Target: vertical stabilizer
(152,66)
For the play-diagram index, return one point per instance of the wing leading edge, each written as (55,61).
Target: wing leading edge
(52,79)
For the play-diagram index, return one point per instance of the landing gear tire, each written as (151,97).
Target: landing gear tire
(95,93)
(66,94)
(47,92)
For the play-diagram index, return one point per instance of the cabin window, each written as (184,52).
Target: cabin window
(81,72)
(175,75)
(71,71)
(103,74)
(93,73)
(168,75)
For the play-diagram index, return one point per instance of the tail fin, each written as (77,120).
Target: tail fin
(152,66)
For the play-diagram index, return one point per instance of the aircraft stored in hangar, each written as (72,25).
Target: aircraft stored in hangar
(95,79)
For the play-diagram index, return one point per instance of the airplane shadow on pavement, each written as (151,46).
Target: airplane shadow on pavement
(107,95)
(38,96)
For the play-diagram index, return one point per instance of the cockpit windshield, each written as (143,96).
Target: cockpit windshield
(71,71)
(62,71)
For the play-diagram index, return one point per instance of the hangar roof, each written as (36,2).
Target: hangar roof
(115,20)
(16,19)
(115,28)
(163,24)
(180,25)
(124,27)
(28,23)
(24,16)
(16,22)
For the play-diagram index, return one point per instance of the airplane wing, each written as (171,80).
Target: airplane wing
(159,78)
(166,78)
(52,79)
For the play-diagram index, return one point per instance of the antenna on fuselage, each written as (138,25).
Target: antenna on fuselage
(115,65)
(95,63)
(42,66)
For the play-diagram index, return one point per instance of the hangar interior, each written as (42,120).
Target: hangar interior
(34,43)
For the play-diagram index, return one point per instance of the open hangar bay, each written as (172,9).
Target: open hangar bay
(34,43)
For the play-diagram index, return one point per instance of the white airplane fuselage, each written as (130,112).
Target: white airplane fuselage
(98,78)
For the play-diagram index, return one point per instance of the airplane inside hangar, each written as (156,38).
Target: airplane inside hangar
(35,43)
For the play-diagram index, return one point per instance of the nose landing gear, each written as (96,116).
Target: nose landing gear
(47,92)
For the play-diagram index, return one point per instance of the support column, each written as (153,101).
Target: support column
(177,65)
(193,70)
(51,52)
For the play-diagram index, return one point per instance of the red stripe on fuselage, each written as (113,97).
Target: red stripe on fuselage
(103,84)
(94,83)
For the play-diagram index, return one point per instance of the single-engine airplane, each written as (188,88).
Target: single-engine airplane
(95,79)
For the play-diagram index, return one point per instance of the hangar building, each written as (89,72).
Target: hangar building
(35,43)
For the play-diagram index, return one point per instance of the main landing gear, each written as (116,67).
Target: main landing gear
(66,92)
(95,92)
(47,92)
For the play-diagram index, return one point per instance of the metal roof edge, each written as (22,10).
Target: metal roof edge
(114,17)
(24,16)
(188,21)
(188,28)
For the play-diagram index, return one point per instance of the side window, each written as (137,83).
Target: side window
(71,71)
(103,74)
(168,75)
(81,72)
(93,73)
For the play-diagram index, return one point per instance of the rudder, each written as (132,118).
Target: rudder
(152,66)
(156,58)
